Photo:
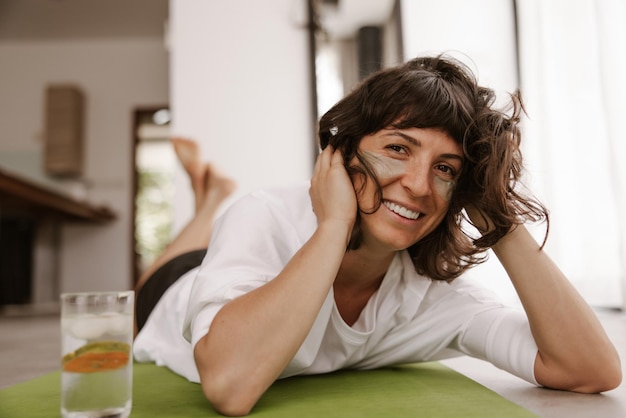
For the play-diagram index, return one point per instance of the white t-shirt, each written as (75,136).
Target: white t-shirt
(409,319)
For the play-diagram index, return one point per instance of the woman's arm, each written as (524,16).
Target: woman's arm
(253,338)
(574,351)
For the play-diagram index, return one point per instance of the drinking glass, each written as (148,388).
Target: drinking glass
(96,354)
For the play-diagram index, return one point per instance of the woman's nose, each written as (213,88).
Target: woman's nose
(417,181)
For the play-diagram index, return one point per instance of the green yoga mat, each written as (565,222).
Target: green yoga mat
(417,390)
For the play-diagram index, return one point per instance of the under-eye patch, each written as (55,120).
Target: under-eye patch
(384,167)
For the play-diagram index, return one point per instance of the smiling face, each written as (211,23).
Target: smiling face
(417,170)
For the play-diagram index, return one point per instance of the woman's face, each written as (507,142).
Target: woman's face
(417,170)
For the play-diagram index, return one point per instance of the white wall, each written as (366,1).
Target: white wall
(116,76)
(478,32)
(240,85)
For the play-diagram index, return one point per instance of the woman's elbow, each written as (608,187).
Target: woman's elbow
(595,378)
(231,407)
(226,398)
(604,377)
(603,381)
(230,392)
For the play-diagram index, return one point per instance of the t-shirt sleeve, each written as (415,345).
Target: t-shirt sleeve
(500,335)
(251,244)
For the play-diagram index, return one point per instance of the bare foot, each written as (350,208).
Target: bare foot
(210,186)
(217,187)
(188,153)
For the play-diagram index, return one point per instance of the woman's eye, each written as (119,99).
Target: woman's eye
(396,148)
(447,170)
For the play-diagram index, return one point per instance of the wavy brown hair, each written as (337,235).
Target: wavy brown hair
(441,92)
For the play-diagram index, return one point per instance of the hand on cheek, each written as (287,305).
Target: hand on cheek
(332,193)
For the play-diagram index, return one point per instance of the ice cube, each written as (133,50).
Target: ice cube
(118,324)
(88,327)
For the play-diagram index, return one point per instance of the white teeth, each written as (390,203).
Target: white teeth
(402,211)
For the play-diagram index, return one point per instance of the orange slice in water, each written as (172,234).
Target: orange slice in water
(97,357)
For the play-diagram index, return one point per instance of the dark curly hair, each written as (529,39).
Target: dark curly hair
(441,92)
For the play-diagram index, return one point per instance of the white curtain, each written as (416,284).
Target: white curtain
(573,80)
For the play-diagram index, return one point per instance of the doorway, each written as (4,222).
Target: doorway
(154,163)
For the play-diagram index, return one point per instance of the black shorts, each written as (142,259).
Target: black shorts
(161,280)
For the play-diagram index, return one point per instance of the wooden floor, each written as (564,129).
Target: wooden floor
(30,344)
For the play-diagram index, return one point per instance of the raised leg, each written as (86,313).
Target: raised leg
(210,188)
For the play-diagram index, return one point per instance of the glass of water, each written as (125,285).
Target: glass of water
(96,354)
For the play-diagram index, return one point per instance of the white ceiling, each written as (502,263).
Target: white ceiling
(70,19)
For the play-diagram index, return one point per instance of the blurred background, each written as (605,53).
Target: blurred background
(91,91)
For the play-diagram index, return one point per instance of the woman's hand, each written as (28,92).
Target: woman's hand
(332,193)
(479,220)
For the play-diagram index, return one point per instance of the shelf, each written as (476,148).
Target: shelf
(21,197)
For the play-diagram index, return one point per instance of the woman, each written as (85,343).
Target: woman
(363,267)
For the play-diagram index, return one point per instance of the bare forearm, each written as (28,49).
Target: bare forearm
(573,347)
(254,337)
